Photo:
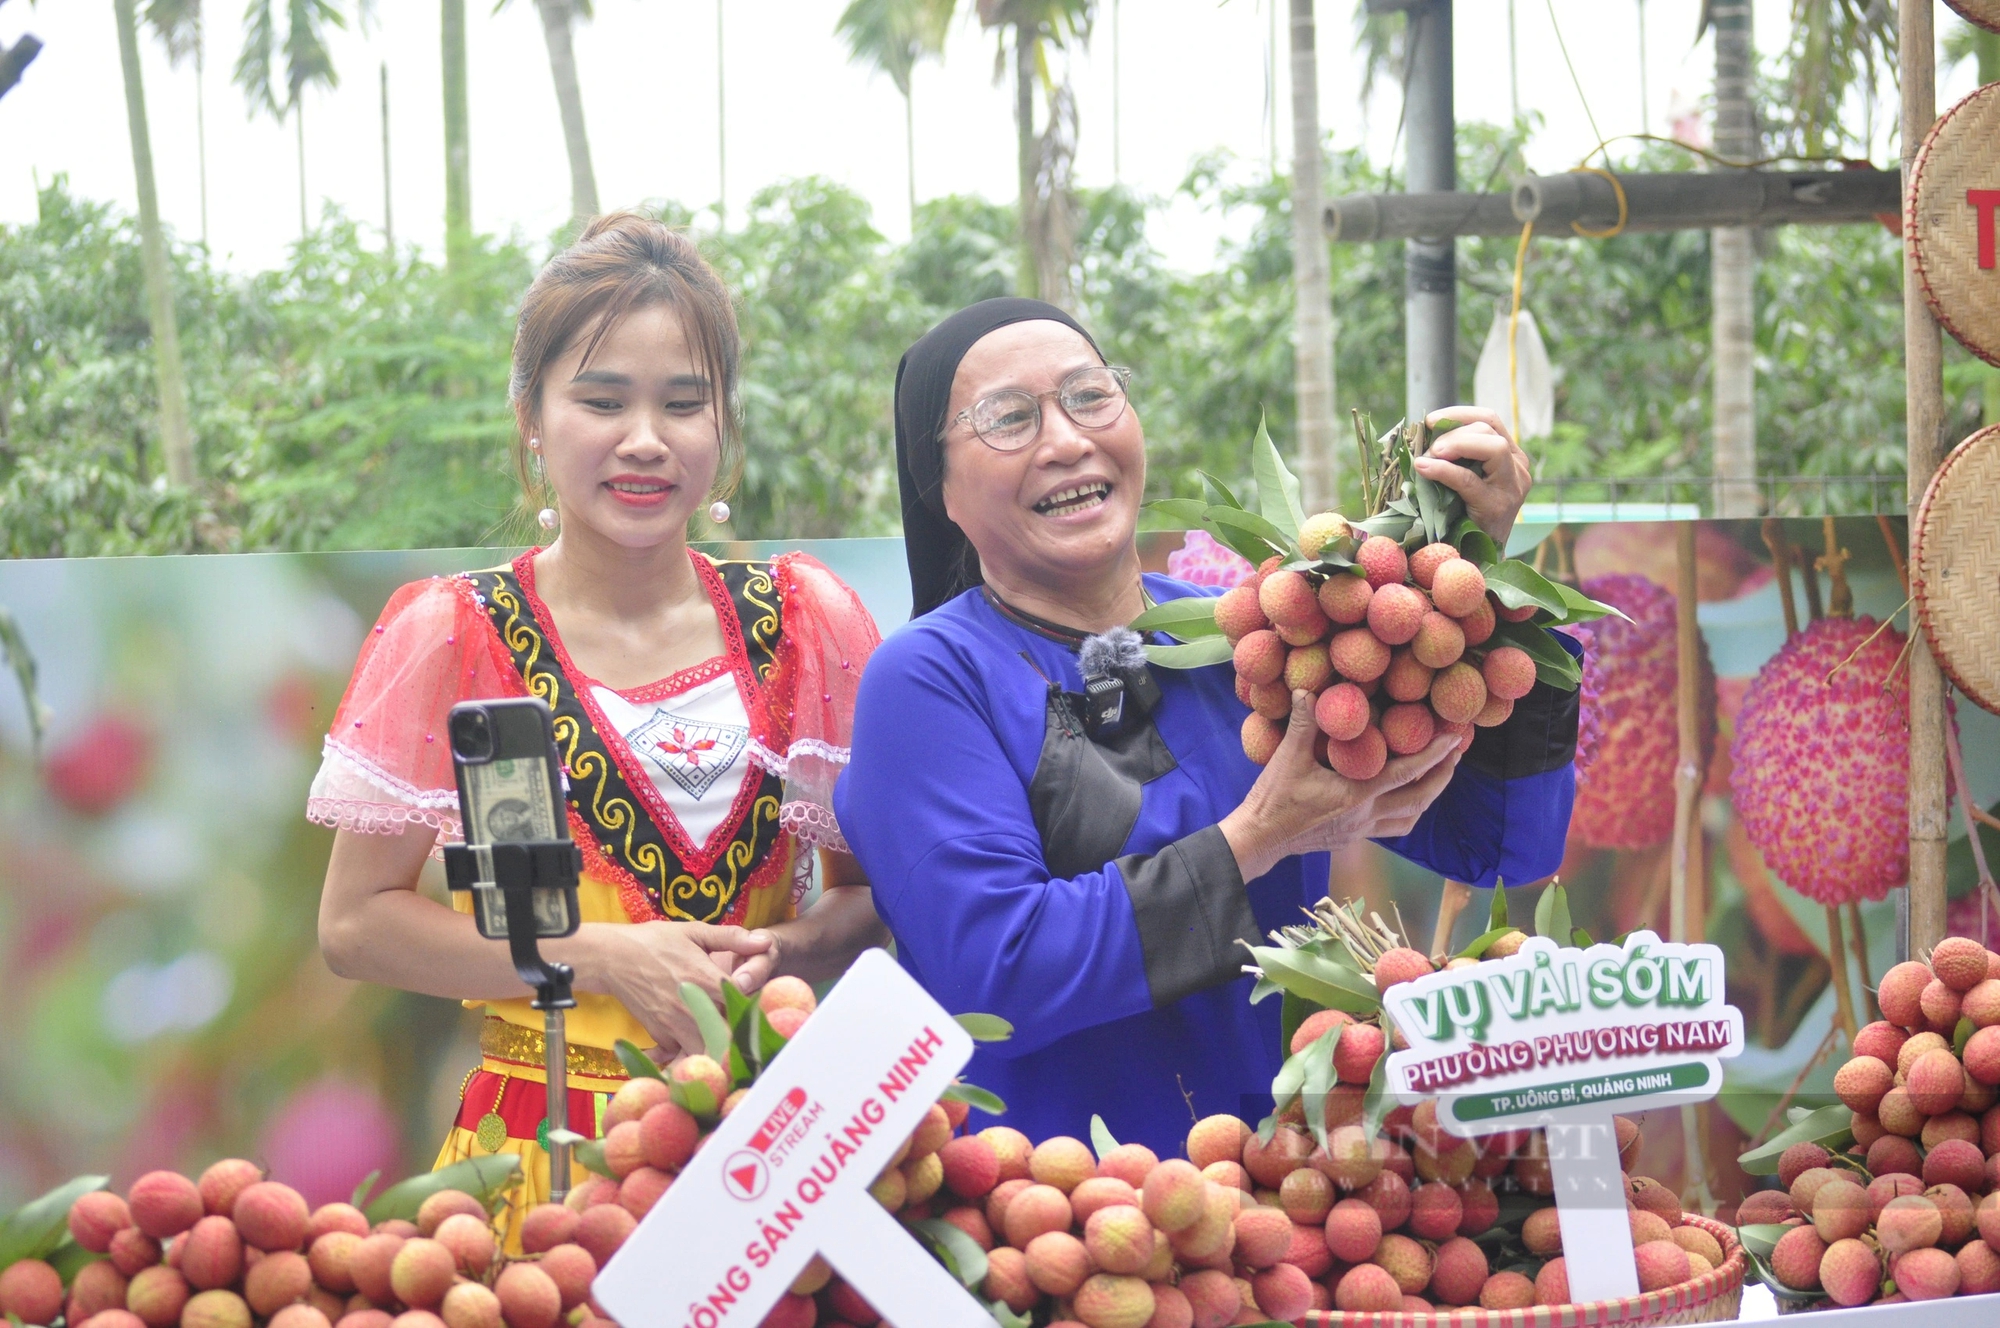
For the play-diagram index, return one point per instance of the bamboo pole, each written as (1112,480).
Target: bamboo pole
(1923,355)
(1836,955)
(1857,942)
(1781,563)
(1687,775)
(1451,903)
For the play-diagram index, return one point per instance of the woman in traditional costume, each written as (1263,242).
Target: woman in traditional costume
(703,709)
(1089,873)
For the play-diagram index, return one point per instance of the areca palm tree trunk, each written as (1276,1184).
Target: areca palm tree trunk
(1024,147)
(176,438)
(299,129)
(556,31)
(457,138)
(910,148)
(1312,310)
(1733,275)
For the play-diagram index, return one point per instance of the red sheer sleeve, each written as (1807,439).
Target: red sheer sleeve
(387,763)
(807,728)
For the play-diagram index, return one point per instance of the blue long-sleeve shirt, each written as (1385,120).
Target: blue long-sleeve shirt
(1122,978)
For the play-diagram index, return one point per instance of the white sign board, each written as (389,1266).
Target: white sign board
(1560,1039)
(786,1175)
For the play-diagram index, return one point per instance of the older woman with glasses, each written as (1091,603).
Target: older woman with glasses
(1057,834)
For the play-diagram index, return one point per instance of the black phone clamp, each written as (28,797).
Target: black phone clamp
(516,871)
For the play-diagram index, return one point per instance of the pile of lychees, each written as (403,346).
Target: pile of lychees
(1395,649)
(231,1249)
(1912,1210)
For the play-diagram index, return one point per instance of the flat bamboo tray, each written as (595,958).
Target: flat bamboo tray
(1955,566)
(1714,1297)
(1986,13)
(1941,227)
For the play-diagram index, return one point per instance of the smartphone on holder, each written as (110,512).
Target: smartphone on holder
(510,791)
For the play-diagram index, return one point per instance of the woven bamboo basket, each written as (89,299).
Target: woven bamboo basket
(1942,228)
(1955,567)
(1986,13)
(1714,1297)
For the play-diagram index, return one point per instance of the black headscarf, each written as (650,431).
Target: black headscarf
(942,561)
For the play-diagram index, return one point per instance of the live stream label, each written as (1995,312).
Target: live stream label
(786,1175)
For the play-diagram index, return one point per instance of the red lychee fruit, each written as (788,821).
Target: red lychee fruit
(1367,1287)
(1509,672)
(421,1273)
(1272,700)
(1262,1236)
(1960,962)
(1381,560)
(1935,1081)
(1458,693)
(224,1181)
(1213,1295)
(602,1230)
(1862,1081)
(1425,562)
(215,1309)
(1882,1040)
(1057,1263)
(164,1203)
(1795,1258)
(1926,1274)
(471,1305)
(1552,1283)
(1982,1057)
(1850,1273)
(1396,612)
(1359,759)
(1354,1058)
(1982,1004)
(212,1254)
(274,1216)
(1799,1159)
(277,1280)
(1479,625)
(1822,750)
(1357,654)
(1343,598)
(571,1268)
(1940,1006)
(1460,1272)
(94,1288)
(1291,603)
(1307,668)
(1097,1192)
(1306,1196)
(1497,711)
(1911,1222)
(1840,1210)
(1260,656)
(1261,738)
(971,1167)
(1638,747)
(1522,614)
(96,1217)
(529,1297)
(1342,712)
(1173,1195)
(1459,588)
(634,1098)
(1353,1229)
(1238,613)
(1900,993)
(31,1290)
(1408,679)
(1439,641)
(1978,1269)
(1035,1210)
(1956,1162)
(668,1134)
(1399,965)
(1506,1291)
(1407,728)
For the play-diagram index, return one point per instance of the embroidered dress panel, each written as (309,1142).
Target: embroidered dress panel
(693,745)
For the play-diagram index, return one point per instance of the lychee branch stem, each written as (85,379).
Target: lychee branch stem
(1781,563)
(1688,774)
(1885,625)
(1792,1091)
(1859,944)
(1836,954)
(1840,599)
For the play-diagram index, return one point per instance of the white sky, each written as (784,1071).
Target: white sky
(1193,74)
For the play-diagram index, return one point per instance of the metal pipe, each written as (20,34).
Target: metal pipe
(1683,200)
(1430,266)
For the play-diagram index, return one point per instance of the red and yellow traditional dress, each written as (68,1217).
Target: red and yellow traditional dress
(697,798)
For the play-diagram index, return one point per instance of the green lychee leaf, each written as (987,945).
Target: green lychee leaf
(1377,1102)
(1552,914)
(1483,942)
(360,1196)
(958,1252)
(1553,665)
(769,1040)
(1200,654)
(1962,1035)
(1219,494)
(1291,1013)
(714,1032)
(1475,545)
(69,1258)
(484,1178)
(975,1096)
(1831,1127)
(637,1063)
(590,1156)
(1189,618)
(697,1099)
(1319,1080)
(1761,1238)
(37,1227)
(985,1027)
(1173,514)
(1582,608)
(1318,979)
(1004,1315)
(1517,585)
(1496,913)
(1277,487)
(1263,988)
(1250,534)
(1101,1140)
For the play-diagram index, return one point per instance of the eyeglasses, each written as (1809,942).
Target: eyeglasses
(1093,397)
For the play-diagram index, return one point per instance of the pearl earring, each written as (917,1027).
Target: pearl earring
(546,518)
(718,513)
(534,444)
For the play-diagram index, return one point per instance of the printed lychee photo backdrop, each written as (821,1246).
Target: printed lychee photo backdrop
(165,1004)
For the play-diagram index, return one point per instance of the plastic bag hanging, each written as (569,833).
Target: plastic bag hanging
(1533,377)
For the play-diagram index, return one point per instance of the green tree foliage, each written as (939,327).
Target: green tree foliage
(355,400)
